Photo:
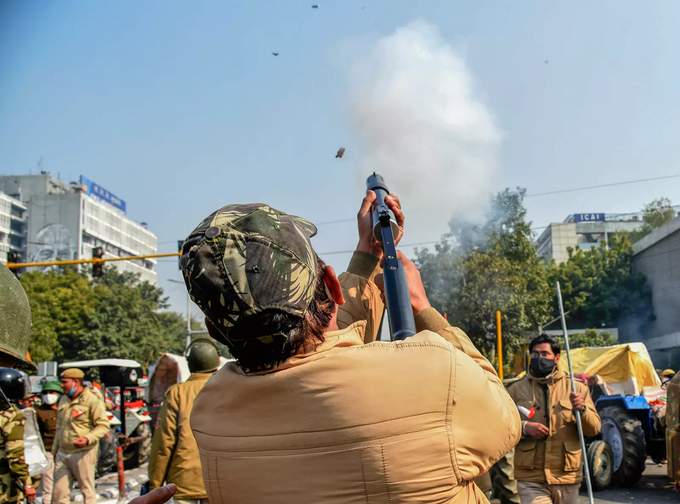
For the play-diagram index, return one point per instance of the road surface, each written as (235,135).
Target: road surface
(655,486)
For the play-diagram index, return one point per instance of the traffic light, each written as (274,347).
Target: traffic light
(97,267)
(13,257)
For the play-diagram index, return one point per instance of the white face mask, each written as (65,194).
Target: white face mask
(50,399)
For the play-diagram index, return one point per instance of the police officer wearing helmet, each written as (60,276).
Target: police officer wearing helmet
(15,481)
(174,454)
(15,323)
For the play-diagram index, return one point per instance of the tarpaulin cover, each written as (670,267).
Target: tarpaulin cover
(625,368)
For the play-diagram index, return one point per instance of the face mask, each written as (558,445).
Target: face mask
(541,367)
(72,391)
(50,399)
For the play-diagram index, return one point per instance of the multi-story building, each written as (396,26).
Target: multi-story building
(66,221)
(657,256)
(12,227)
(583,231)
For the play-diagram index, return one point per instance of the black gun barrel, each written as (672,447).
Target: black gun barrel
(385,228)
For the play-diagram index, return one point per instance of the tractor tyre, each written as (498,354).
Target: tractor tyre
(139,452)
(106,459)
(623,433)
(601,464)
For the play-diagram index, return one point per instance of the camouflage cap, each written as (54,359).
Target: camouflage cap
(245,259)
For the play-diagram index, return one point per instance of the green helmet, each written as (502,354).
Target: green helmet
(15,322)
(52,386)
(203,356)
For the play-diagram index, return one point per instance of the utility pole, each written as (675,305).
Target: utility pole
(189,332)
(499,344)
(188,339)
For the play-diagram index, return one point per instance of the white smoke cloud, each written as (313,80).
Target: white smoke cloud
(421,125)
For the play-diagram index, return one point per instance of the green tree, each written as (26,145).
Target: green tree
(599,288)
(589,338)
(478,269)
(117,316)
(655,215)
(61,304)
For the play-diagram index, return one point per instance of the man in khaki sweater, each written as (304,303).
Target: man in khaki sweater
(174,455)
(548,459)
(312,411)
(81,422)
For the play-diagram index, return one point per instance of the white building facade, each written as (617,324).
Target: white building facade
(583,231)
(67,221)
(12,227)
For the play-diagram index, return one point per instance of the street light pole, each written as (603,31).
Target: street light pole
(187,340)
(189,332)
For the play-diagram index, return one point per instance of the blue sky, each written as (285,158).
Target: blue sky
(179,107)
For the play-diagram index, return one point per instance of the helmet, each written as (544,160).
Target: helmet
(52,386)
(15,323)
(13,384)
(202,356)
(668,372)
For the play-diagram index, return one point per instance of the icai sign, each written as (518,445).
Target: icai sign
(92,189)
(589,217)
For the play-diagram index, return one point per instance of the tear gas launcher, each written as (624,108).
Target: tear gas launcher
(385,229)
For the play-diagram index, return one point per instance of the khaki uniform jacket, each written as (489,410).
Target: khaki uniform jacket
(12,462)
(174,454)
(348,422)
(84,416)
(556,459)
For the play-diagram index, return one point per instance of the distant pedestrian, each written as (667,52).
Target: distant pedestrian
(29,399)
(47,415)
(174,453)
(81,422)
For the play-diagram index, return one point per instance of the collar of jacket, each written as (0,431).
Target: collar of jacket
(352,335)
(200,376)
(556,375)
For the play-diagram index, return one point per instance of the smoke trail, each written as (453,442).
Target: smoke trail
(421,125)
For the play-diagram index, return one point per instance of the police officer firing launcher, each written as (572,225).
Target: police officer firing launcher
(315,410)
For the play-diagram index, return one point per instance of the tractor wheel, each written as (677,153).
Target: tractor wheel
(106,459)
(601,464)
(623,433)
(139,452)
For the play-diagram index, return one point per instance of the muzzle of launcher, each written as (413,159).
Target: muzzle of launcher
(385,228)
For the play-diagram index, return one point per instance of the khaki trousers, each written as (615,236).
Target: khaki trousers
(79,466)
(542,493)
(47,481)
